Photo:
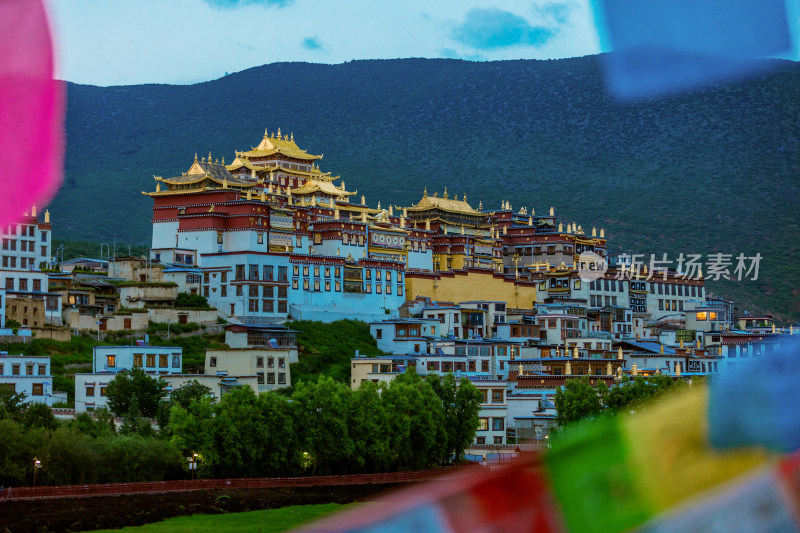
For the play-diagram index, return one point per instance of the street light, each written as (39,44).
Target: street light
(37,464)
(193,460)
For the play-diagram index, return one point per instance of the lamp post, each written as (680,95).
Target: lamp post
(37,464)
(193,460)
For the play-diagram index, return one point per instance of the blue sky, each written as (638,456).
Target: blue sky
(120,42)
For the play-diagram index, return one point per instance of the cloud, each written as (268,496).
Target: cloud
(492,28)
(233,4)
(555,12)
(312,43)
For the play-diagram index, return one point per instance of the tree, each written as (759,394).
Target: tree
(321,410)
(417,433)
(11,402)
(190,391)
(185,299)
(576,400)
(368,423)
(461,403)
(132,393)
(38,415)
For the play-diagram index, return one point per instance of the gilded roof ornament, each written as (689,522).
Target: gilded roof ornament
(195,157)
(279,132)
(47,216)
(33,210)
(480,206)
(425,193)
(465,197)
(445,193)
(552,211)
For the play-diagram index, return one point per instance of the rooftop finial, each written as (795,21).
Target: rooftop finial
(291,136)
(195,157)
(209,156)
(425,193)
(279,133)
(266,133)
(445,193)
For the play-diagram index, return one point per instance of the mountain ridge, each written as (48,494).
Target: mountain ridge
(714,170)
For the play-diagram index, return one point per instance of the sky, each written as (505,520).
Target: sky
(122,42)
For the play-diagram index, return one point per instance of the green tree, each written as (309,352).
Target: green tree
(191,391)
(38,415)
(185,299)
(132,394)
(11,402)
(461,403)
(368,423)
(576,400)
(192,431)
(417,434)
(321,411)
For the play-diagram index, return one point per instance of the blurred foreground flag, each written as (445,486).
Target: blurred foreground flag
(662,46)
(758,401)
(31,110)
(513,498)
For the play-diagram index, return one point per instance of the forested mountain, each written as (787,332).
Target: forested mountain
(714,170)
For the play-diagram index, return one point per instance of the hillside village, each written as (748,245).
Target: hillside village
(516,301)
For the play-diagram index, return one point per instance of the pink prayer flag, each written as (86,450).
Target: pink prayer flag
(31,110)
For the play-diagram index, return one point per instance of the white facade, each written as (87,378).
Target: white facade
(29,375)
(151,359)
(26,245)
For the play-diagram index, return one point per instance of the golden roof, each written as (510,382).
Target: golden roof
(445,204)
(281,144)
(312,185)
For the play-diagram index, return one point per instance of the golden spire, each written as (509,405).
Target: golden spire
(209,156)
(223,159)
(158,187)
(33,211)
(363,200)
(552,211)
(560,227)
(530,221)
(279,132)
(480,205)
(602,233)
(379,205)
(405,212)
(594,232)
(445,193)
(291,136)
(195,157)
(465,197)
(425,193)
(533,211)
(391,211)
(47,216)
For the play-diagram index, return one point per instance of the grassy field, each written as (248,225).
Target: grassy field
(267,521)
